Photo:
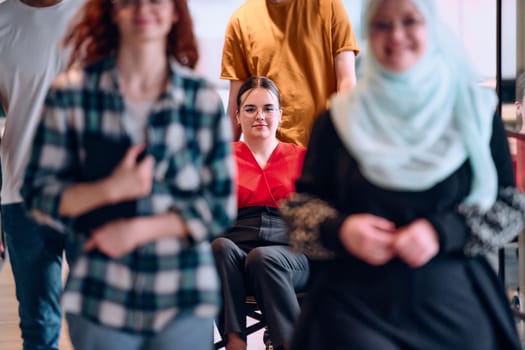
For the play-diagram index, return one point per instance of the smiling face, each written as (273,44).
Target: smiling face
(144,20)
(398,35)
(259,114)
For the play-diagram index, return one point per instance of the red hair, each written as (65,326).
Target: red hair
(95,35)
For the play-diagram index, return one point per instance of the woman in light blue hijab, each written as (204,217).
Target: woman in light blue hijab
(390,169)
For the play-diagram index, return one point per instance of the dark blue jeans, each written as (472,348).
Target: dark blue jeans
(35,252)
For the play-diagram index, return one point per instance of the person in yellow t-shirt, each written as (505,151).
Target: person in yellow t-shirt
(307,47)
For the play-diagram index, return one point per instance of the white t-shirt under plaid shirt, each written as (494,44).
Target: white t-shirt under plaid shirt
(189,137)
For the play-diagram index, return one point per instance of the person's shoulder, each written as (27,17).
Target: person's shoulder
(6,9)
(70,5)
(291,148)
(4,16)
(238,148)
(74,4)
(241,152)
(70,79)
(75,78)
(8,3)
(249,5)
(72,8)
(66,89)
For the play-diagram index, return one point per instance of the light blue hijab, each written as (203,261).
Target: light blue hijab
(408,131)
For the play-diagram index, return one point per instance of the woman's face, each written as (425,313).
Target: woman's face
(141,21)
(398,35)
(259,114)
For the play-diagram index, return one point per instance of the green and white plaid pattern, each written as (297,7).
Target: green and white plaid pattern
(190,138)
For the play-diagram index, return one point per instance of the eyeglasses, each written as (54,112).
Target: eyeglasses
(128,3)
(409,23)
(252,111)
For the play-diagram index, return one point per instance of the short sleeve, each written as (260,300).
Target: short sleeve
(234,65)
(343,36)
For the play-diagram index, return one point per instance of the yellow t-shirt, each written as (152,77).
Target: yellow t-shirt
(294,44)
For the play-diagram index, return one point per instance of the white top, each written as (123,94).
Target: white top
(30,60)
(136,119)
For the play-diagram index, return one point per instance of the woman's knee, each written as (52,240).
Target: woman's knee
(260,259)
(227,254)
(222,247)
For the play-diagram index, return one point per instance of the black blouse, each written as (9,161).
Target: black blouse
(332,174)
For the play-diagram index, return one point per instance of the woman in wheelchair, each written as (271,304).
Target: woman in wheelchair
(253,258)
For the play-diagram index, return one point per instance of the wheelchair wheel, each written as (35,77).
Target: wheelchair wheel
(266,340)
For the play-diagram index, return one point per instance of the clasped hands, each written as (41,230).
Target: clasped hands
(377,240)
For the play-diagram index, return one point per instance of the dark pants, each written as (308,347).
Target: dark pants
(35,252)
(272,274)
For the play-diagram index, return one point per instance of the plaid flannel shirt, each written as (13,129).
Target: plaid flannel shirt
(190,138)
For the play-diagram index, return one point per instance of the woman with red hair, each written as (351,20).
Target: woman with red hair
(132,159)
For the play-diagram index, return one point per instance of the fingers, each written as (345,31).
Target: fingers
(132,178)
(382,224)
(114,239)
(147,163)
(143,166)
(382,238)
(145,176)
(369,238)
(90,244)
(417,243)
(379,247)
(376,241)
(379,230)
(95,243)
(132,154)
(408,251)
(417,259)
(378,257)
